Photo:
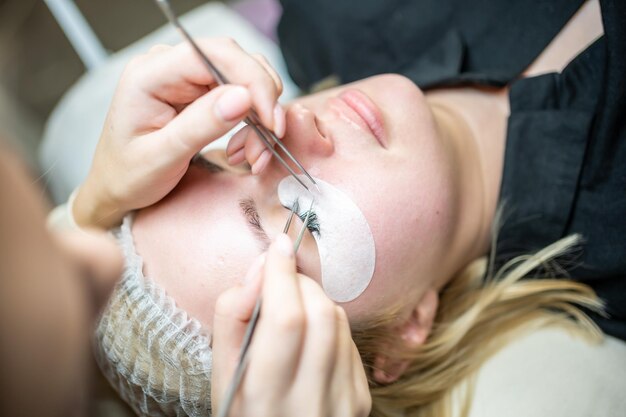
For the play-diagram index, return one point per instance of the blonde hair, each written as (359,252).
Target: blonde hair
(479,312)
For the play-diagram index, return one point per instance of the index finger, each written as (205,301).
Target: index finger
(280,285)
(175,75)
(276,346)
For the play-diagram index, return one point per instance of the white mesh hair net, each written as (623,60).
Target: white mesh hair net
(155,356)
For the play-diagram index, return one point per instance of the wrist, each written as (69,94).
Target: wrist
(92,208)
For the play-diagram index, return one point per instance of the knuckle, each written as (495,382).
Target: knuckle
(265,79)
(275,90)
(317,301)
(262,81)
(278,84)
(227,41)
(324,311)
(290,322)
(135,63)
(135,69)
(159,48)
(261,58)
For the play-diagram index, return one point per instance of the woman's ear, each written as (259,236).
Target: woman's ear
(408,336)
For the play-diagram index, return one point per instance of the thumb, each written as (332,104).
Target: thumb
(203,121)
(233,311)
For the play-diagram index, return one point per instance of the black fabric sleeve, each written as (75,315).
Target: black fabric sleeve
(565,166)
(433,42)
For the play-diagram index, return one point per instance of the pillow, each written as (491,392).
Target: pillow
(550,372)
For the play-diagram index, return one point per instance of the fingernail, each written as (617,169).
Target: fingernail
(279,120)
(233,103)
(261,162)
(237,158)
(283,245)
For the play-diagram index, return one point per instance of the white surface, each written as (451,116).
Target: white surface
(550,373)
(345,242)
(74,127)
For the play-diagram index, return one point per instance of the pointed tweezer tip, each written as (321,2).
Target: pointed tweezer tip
(301,182)
(311,179)
(304,227)
(294,210)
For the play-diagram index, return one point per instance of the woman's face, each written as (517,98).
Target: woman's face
(387,158)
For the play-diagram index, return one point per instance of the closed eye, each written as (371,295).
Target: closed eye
(202,162)
(250,212)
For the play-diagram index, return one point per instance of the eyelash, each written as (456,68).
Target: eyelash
(251,212)
(314,224)
(202,162)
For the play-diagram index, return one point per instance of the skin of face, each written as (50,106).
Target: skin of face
(196,243)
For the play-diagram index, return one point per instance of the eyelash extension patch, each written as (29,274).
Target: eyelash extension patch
(344,239)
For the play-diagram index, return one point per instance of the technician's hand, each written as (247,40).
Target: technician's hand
(303,361)
(166,108)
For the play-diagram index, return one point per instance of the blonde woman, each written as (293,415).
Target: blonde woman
(423,170)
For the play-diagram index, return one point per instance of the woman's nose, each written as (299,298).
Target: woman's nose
(305,141)
(305,136)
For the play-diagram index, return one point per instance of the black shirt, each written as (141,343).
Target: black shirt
(565,158)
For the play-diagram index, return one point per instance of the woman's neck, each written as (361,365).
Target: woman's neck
(473,123)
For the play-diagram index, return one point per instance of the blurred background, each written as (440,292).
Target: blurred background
(38,63)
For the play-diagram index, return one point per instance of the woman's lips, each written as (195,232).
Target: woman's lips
(365,108)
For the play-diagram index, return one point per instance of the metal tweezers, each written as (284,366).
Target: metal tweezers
(242,363)
(253,119)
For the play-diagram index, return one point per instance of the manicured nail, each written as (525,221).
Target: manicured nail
(279,120)
(237,158)
(283,245)
(261,162)
(233,103)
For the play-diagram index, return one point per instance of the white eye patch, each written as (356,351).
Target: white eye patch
(344,242)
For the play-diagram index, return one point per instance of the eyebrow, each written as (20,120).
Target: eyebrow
(251,214)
